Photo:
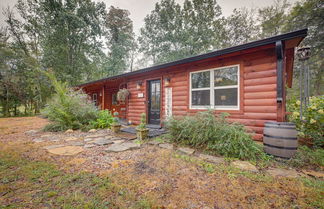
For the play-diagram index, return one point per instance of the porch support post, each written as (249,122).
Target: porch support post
(103,98)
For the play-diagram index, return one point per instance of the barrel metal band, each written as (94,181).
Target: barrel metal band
(280,137)
(273,146)
(280,127)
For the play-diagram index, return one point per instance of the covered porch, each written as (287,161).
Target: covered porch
(104,95)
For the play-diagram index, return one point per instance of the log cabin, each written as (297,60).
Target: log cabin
(248,81)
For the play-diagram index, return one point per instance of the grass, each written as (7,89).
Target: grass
(37,184)
(315,185)
(152,178)
(25,183)
(231,171)
(307,157)
(208,167)
(313,189)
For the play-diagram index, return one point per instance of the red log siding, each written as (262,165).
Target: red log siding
(258,83)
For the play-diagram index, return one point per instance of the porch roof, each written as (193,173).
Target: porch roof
(271,40)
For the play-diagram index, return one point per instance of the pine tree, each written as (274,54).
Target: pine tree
(120,40)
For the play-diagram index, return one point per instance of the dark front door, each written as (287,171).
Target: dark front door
(154,101)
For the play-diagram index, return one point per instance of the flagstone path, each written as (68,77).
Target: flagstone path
(74,142)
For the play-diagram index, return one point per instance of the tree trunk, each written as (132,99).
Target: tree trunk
(6,111)
(25,105)
(15,110)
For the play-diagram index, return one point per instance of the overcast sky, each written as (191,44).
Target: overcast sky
(140,8)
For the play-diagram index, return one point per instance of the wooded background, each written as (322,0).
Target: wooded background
(81,40)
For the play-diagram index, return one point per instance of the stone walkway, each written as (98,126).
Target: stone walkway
(73,143)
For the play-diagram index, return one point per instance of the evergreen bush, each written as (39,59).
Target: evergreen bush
(214,134)
(142,125)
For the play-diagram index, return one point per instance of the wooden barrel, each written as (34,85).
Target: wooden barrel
(280,139)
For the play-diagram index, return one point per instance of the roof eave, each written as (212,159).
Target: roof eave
(271,40)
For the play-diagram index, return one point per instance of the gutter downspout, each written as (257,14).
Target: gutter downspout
(279,53)
(280,85)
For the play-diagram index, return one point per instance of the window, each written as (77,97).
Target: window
(114,99)
(95,98)
(200,88)
(216,88)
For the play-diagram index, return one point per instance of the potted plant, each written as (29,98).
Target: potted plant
(122,95)
(115,126)
(141,130)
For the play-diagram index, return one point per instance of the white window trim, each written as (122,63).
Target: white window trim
(212,91)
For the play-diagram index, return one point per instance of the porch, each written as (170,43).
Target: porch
(145,97)
(104,95)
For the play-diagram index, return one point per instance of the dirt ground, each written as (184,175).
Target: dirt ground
(164,178)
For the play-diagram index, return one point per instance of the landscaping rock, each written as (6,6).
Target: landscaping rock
(72,138)
(89,145)
(280,172)
(244,165)
(37,140)
(88,139)
(118,141)
(123,147)
(53,146)
(50,137)
(111,137)
(185,150)
(153,142)
(96,136)
(166,146)
(76,143)
(102,141)
(31,132)
(212,159)
(92,130)
(69,131)
(67,150)
(315,174)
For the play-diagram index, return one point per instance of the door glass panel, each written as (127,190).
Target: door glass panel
(155,96)
(154,102)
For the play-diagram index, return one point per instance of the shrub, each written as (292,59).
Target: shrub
(306,156)
(216,135)
(68,108)
(142,125)
(104,120)
(311,126)
(115,119)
